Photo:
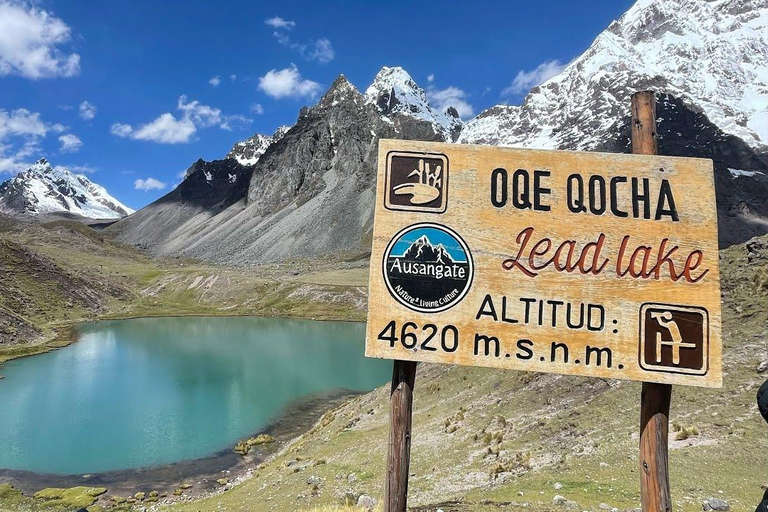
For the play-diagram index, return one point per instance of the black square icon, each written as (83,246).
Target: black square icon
(416,182)
(674,339)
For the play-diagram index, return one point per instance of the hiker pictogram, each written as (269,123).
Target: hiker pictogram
(674,338)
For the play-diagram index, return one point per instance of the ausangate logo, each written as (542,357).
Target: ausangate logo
(428,267)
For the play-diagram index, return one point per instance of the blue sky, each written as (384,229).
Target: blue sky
(169,82)
(435,237)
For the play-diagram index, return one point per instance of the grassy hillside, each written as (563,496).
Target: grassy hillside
(483,440)
(489,440)
(53,275)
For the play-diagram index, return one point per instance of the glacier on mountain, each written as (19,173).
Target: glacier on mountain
(43,189)
(711,54)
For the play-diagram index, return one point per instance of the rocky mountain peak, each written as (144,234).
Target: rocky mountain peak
(340,90)
(248,151)
(452,112)
(711,54)
(44,189)
(311,191)
(394,92)
(41,165)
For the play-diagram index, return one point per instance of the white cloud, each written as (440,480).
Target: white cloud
(27,149)
(121,130)
(168,129)
(525,80)
(279,23)
(29,42)
(288,83)
(233,77)
(431,78)
(321,51)
(451,97)
(70,143)
(215,81)
(21,122)
(9,165)
(87,110)
(148,184)
(256,108)
(20,133)
(282,38)
(201,115)
(77,169)
(204,116)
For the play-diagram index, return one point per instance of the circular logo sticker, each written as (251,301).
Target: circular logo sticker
(428,267)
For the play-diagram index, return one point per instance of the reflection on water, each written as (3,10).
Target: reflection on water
(135,393)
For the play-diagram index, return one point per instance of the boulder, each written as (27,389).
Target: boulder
(716,504)
(366,502)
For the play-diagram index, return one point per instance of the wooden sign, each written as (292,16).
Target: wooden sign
(576,263)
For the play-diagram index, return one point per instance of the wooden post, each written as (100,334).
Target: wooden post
(399,456)
(654,461)
(654,398)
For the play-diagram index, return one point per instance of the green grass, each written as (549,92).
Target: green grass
(123,282)
(74,497)
(482,438)
(51,499)
(513,436)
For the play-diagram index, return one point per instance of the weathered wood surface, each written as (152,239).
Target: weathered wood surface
(643,110)
(655,398)
(654,450)
(399,453)
(493,236)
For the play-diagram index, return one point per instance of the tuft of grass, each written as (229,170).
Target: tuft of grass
(342,508)
(76,497)
(685,432)
(761,279)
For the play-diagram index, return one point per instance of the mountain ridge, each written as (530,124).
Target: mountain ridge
(248,151)
(709,54)
(310,194)
(43,189)
(426,251)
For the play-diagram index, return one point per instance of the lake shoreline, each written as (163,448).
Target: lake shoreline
(64,336)
(193,478)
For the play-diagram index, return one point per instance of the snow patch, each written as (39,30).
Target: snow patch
(394,91)
(740,173)
(711,54)
(41,189)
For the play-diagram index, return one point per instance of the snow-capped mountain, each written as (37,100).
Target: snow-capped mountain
(394,91)
(310,193)
(713,54)
(249,151)
(423,250)
(42,189)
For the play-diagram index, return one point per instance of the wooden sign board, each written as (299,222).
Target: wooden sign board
(577,263)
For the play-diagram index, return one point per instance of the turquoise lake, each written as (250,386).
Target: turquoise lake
(144,392)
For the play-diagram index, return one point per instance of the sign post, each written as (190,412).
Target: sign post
(654,398)
(575,263)
(399,452)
